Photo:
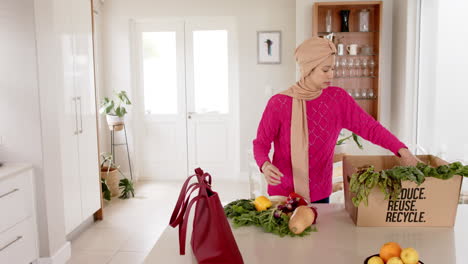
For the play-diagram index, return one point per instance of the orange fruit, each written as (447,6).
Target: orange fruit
(389,250)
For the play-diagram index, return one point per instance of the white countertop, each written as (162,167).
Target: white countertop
(9,169)
(338,240)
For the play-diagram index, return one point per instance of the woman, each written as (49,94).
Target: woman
(304,123)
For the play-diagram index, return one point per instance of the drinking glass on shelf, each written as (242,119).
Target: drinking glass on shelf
(365,71)
(356,94)
(371,66)
(350,91)
(357,63)
(364,94)
(337,63)
(337,68)
(350,67)
(343,67)
(370,93)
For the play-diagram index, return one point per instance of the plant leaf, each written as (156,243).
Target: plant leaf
(358,142)
(123,110)
(118,111)
(105,190)
(127,189)
(109,107)
(122,95)
(342,141)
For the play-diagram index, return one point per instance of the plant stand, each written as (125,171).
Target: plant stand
(113,144)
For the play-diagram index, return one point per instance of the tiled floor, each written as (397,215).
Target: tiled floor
(131,227)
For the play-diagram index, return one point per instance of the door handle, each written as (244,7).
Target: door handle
(190,114)
(76,116)
(11,243)
(81,116)
(10,192)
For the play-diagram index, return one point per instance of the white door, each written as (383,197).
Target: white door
(69,127)
(187,87)
(161,109)
(86,109)
(80,164)
(210,82)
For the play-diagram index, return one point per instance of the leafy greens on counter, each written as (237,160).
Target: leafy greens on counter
(243,213)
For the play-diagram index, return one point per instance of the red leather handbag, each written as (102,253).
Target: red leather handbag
(212,240)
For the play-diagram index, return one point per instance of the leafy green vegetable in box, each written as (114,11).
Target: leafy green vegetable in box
(243,213)
(389,181)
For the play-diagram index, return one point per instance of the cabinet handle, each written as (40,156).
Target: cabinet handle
(81,115)
(76,117)
(11,243)
(10,192)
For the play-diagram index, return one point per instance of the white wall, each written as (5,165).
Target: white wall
(26,138)
(404,70)
(252,16)
(443,113)
(19,99)
(19,104)
(98,61)
(304,18)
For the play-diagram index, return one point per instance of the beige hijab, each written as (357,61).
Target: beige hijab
(309,55)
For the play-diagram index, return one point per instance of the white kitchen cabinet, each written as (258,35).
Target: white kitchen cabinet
(18,228)
(80,160)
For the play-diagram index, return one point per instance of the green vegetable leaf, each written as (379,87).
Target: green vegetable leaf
(389,181)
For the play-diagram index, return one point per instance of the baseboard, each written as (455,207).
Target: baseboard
(87,223)
(60,257)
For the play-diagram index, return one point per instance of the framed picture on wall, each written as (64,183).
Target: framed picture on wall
(269,47)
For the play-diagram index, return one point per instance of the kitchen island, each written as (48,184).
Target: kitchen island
(338,240)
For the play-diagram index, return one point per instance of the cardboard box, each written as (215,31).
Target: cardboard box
(431,204)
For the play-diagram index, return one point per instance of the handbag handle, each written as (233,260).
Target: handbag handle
(183,206)
(183,226)
(180,201)
(203,176)
(204,179)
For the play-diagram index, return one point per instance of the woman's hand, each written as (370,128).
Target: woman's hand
(271,173)
(407,158)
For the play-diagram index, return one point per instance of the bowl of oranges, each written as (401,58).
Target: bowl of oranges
(393,253)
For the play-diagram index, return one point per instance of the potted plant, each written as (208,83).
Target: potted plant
(111,182)
(340,143)
(109,176)
(115,110)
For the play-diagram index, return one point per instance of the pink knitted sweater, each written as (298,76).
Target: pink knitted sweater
(326,115)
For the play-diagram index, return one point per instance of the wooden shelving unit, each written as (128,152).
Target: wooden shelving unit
(358,84)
